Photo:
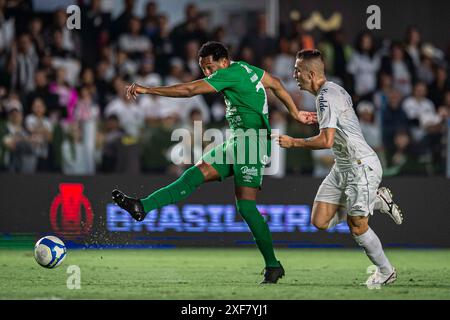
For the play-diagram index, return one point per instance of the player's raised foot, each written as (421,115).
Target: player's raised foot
(272,274)
(378,278)
(388,205)
(133,206)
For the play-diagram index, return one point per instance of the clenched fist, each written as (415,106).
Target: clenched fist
(285,141)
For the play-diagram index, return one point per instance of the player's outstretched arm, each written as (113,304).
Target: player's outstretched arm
(324,140)
(182,90)
(275,85)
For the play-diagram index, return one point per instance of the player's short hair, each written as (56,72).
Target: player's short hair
(215,49)
(308,54)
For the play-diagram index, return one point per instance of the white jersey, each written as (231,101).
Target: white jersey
(335,110)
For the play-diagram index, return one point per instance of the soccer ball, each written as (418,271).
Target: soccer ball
(50,252)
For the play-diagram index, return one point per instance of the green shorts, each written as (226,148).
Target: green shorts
(243,157)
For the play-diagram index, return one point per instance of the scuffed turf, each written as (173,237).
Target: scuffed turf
(222,274)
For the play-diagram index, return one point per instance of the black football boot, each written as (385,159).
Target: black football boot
(133,206)
(272,274)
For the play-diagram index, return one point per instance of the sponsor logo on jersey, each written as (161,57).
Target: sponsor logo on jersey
(252,171)
(265,160)
(322,100)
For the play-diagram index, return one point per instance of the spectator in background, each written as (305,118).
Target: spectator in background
(336,53)
(37,36)
(181,107)
(7,29)
(420,111)
(394,118)
(282,68)
(364,65)
(162,46)
(67,95)
(425,70)
(444,108)
(74,160)
(219,34)
(246,53)
(19,155)
(380,97)
(202,28)
(63,58)
(400,67)
(191,60)
(300,37)
(23,64)
(370,128)
(107,61)
(156,144)
(189,150)
(121,23)
(259,41)
(283,62)
(150,20)
(41,90)
(41,131)
(87,80)
(124,66)
(186,30)
(402,159)
(440,84)
(111,139)
(127,111)
(413,45)
(133,42)
(70,41)
(87,114)
(146,74)
(95,31)
(103,84)
(150,105)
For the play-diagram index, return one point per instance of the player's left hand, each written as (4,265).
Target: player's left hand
(307,117)
(284,141)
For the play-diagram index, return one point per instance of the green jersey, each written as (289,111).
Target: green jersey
(244,94)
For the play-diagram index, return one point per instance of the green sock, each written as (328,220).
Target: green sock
(176,191)
(260,230)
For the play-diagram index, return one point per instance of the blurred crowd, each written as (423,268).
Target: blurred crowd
(63,106)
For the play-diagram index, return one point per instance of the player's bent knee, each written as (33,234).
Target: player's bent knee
(208,172)
(357,228)
(319,224)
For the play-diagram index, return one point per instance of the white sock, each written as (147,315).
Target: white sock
(378,203)
(374,250)
(340,216)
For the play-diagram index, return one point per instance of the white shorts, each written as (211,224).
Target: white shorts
(355,189)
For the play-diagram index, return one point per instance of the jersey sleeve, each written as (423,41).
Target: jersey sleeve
(259,72)
(223,79)
(327,112)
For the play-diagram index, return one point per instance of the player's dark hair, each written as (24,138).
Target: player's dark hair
(215,49)
(309,54)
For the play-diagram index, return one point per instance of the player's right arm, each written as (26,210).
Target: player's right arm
(276,86)
(181,90)
(328,119)
(324,140)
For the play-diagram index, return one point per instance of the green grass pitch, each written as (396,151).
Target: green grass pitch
(222,274)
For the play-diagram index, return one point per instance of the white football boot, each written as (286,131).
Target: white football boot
(378,279)
(388,205)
